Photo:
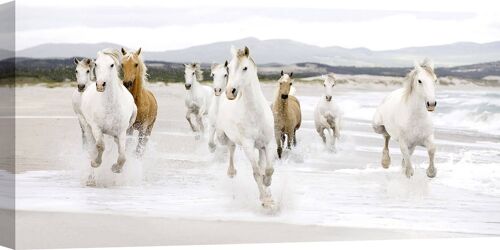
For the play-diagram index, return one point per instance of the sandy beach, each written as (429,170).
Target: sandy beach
(179,193)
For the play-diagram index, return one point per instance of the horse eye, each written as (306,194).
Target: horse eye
(419,81)
(193,73)
(290,84)
(112,65)
(136,65)
(225,75)
(88,71)
(212,75)
(245,68)
(76,71)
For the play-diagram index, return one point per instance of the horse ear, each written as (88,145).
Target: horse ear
(75,60)
(138,52)
(124,52)
(88,61)
(428,63)
(291,74)
(281,73)
(225,64)
(247,51)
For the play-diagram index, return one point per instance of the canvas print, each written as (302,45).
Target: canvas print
(150,123)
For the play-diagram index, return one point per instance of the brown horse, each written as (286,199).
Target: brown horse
(134,77)
(287,114)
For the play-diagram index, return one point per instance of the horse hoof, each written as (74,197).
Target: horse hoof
(386,162)
(211,147)
(116,168)
(267,180)
(431,172)
(268,203)
(95,164)
(91,182)
(231,173)
(409,172)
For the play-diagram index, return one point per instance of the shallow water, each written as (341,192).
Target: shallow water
(179,178)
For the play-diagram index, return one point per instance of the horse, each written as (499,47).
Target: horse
(198,97)
(219,73)
(287,113)
(327,114)
(108,108)
(245,119)
(84,75)
(134,78)
(404,116)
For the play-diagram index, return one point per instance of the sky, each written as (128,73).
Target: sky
(168,25)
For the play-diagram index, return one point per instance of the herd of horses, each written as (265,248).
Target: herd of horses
(238,113)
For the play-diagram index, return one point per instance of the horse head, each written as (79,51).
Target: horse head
(242,71)
(133,67)
(285,83)
(328,85)
(192,73)
(219,73)
(106,68)
(84,71)
(423,82)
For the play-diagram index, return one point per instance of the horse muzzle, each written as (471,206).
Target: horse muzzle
(217,91)
(127,84)
(431,106)
(187,86)
(328,98)
(284,97)
(100,86)
(231,93)
(81,87)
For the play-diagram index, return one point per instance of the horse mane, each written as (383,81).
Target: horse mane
(409,83)
(330,76)
(114,54)
(143,70)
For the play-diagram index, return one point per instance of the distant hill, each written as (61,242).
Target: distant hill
(59,70)
(283,51)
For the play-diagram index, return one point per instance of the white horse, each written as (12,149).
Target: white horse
(246,119)
(404,116)
(108,108)
(84,74)
(327,114)
(198,97)
(219,74)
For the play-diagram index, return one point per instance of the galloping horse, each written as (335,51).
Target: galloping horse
(198,97)
(287,113)
(84,74)
(134,78)
(327,114)
(404,116)
(245,119)
(219,74)
(108,108)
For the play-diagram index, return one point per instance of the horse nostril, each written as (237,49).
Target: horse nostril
(233,91)
(435,103)
(104,84)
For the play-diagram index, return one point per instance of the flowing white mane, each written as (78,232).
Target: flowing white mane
(410,79)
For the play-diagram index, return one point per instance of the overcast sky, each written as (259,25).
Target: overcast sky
(165,25)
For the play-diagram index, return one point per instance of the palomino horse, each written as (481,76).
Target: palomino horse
(327,114)
(198,97)
(404,116)
(246,119)
(108,108)
(219,74)
(134,78)
(287,114)
(84,74)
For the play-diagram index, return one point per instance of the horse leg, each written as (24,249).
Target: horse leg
(386,158)
(269,169)
(99,146)
(143,139)
(289,139)
(199,120)
(231,171)
(431,149)
(253,157)
(294,138)
(84,138)
(321,132)
(405,151)
(211,138)
(188,118)
(120,141)
(279,138)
